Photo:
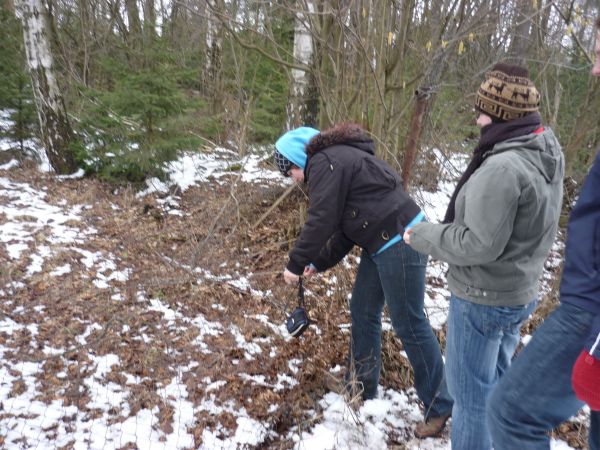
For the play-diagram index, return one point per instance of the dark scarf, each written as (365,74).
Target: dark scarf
(491,135)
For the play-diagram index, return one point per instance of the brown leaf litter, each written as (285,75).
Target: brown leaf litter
(162,251)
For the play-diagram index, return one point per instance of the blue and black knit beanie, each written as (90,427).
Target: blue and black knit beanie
(291,148)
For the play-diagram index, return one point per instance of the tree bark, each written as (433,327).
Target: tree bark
(9,6)
(299,111)
(149,21)
(424,94)
(214,53)
(57,135)
(135,26)
(521,40)
(85,17)
(422,97)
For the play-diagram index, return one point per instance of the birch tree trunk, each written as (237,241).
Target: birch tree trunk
(298,110)
(56,131)
(212,69)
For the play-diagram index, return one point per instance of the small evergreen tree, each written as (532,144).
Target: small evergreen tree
(16,97)
(139,122)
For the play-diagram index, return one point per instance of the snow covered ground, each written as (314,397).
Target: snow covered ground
(35,229)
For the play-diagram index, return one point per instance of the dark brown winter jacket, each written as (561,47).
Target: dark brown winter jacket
(354,199)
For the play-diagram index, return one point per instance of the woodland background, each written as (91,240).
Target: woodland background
(121,86)
(141,314)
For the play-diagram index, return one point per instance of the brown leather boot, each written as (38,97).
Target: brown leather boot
(431,427)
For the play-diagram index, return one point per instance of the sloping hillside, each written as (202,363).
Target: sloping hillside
(156,319)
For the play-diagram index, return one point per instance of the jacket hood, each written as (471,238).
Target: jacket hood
(345,134)
(542,150)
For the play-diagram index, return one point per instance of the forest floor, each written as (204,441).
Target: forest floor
(156,320)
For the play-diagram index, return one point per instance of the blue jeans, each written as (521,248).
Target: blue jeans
(535,395)
(396,277)
(480,343)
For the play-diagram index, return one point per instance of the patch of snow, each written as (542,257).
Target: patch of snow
(61,270)
(9,165)
(77,174)
(250,348)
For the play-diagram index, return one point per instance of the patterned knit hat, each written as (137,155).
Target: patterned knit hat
(507,93)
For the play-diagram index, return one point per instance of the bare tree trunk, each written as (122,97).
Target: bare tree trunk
(214,50)
(149,20)
(424,95)
(115,17)
(57,134)
(214,43)
(85,21)
(298,109)
(585,12)
(540,27)
(9,6)
(135,26)
(178,22)
(188,27)
(422,100)
(447,26)
(521,39)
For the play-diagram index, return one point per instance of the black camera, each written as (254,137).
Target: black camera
(298,321)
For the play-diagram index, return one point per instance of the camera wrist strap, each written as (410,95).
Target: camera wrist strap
(300,293)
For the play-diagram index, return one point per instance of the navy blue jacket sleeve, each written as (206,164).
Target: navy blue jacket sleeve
(580,284)
(336,248)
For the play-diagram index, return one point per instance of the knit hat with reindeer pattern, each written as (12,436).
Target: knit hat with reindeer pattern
(507,93)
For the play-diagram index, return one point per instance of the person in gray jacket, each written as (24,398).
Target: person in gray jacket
(498,230)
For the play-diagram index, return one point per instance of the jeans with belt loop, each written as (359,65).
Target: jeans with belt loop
(396,277)
(480,344)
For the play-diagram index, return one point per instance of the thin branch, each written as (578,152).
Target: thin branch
(287,192)
(573,35)
(225,20)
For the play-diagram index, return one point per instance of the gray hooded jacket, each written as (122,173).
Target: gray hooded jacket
(505,223)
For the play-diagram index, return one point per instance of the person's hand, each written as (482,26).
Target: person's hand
(406,236)
(290,278)
(309,271)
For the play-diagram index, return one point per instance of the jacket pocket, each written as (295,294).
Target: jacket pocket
(358,225)
(378,174)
